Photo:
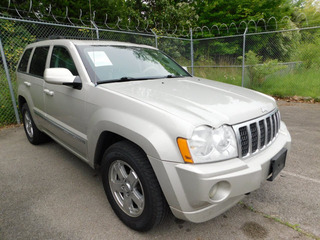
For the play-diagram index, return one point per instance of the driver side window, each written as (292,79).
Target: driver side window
(61,59)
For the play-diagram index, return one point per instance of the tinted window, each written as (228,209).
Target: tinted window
(38,62)
(61,59)
(24,61)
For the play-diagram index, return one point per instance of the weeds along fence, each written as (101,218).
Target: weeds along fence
(280,63)
(283,63)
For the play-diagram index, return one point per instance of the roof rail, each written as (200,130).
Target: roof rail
(54,37)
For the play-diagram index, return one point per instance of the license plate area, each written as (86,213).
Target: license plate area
(277,164)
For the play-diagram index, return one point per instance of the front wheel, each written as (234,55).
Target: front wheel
(132,187)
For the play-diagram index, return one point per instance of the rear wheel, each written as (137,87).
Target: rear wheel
(34,135)
(132,187)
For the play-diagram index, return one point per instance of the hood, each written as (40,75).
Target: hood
(197,100)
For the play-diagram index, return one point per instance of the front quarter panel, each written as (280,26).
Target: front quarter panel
(154,130)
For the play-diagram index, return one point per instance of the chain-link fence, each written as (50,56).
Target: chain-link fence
(284,63)
(177,48)
(280,63)
(219,58)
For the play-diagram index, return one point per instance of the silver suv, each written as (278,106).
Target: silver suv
(162,138)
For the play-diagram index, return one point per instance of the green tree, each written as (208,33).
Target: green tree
(308,12)
(113,8)
(183,13)
(163,13)
(221,11)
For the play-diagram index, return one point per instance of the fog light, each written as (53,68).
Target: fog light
(220,191)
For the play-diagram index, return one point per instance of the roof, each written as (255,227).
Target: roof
(88,42)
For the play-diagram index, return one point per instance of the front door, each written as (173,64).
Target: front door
(65,106)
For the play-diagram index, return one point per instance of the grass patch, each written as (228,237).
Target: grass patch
(226,75)
(299,82)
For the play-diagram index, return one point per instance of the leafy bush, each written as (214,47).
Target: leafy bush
(308,53)
(14,38)
(258,70)
(275,45)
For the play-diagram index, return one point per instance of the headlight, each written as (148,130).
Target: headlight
(208,144)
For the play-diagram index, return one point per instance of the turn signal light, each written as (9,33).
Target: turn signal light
(184,149)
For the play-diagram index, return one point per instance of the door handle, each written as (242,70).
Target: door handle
(27,84)
(48,92)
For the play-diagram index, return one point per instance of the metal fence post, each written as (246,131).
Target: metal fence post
(96,28)
(243,56)
(155,37)
(191,51)
(9,82)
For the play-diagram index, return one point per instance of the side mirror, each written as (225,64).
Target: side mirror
(62,76)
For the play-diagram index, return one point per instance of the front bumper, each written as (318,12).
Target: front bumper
(199,192)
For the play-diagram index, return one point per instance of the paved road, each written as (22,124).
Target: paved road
(47,193)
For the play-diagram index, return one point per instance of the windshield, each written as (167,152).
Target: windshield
(107,64)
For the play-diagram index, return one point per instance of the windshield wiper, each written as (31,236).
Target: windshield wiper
(124,79)
(128,79)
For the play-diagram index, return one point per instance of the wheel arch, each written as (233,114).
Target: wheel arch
(108,138)
(21,101)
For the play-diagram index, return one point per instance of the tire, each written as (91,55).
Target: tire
(132,187)
(34,135)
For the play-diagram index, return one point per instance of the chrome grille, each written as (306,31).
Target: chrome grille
(255,135)
(268,129)
(245,140)
(262,133)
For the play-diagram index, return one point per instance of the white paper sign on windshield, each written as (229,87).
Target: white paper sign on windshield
(99,58)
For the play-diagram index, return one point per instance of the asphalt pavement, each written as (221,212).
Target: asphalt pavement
(47,193)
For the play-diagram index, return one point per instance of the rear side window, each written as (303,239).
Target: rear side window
(61,59)
(24,61)
(38,62)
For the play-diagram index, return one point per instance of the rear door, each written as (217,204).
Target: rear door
(33,82)
(64,105)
